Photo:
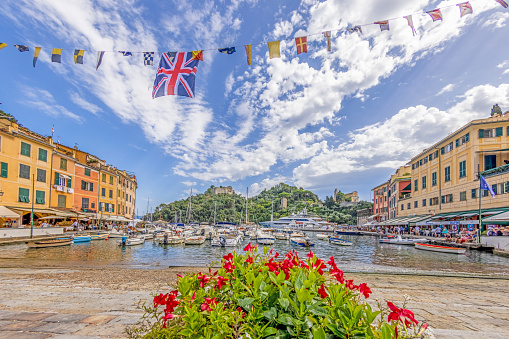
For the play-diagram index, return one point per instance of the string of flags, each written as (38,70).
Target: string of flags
(177,70)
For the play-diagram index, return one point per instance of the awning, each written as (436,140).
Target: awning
(52,217)
(7,213)
(497,219)
(27,209)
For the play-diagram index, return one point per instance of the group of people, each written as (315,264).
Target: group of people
(498,231)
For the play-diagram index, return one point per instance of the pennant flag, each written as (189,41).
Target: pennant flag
(384,25)
(249,49)
(274,50)
(465,8)
(22,48)
(354,29)
(302,45)
(227,50)
(126,53)
(198,55)
(177,76)
(485,186)
(171,55)
(3,45)
(100,55)
(411,24)
(78,56)
(502,3)
(435,14)
(56,55)
(327,36)
(148,58)
(36,54)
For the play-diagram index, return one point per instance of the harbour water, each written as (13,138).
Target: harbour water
(366,255)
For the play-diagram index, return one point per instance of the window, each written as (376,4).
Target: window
(420,162)
(24,171)
(25,149)
(41,175)
(463,169)
(62,200)
(485,193)
(448,173)
(448,148)
(130,198)
(474,193)
(24,195)
(111,180)
(4,170)
(84,203)
(104,177)
(103,192)
(490,133)
(63,164)
(433,201)
(416,184)
(118,207)
(423,182)
(43,155)
(402,207)
(490,161)
(113,207)
(499,132)
(416,204)
(430,157)
(423,202)
(506,187)
(442,150)
(106,207)
(69,183)
(413,166)
(92,205)
(408,206)
(463,196)
(494,188)
(57,178)
(463,140)
(446,198)
(87,172)
(111,193)
(385,198)
(39,197)
(101,206)
(91,186)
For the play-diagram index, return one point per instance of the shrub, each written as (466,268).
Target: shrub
(266,296)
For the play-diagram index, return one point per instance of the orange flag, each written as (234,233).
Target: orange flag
(302,45)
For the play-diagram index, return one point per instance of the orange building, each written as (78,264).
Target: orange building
(62,176)
(86,188)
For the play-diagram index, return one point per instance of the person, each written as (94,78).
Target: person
(444,232)
(75,225)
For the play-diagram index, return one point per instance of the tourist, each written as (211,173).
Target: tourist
(444,232)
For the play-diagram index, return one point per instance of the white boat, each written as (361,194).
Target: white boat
(265,238)
(194,240)
(301,241)
(339,241)
(148,236)
(322,236)
(281,235)
(439,248)
(401,241)
(227,240)
(116,234)
(169,240)
(131,241)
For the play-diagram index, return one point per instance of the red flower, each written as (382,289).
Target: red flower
(221,282)
(319,265)
(228,266)
(276,255)
(401,314)
(249,260)
(171,316)
(365,290)
(228,257)
(240,312)
(206,306)
(249,247)
(337,274)
(160,299)
(203,279)
(331,261)
(273,266)
(322,291)
(349,284)
(310,255)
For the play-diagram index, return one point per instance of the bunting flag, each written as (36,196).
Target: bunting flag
(502,3)
(274,49)
(465,8)
(354,29)
(177,76)
(384,25)
(78,56)
(327,36)
(22,48)
(3,45)
(56,55)
(171,55)
(100,55)
(249,49)
(302,45)
(435,14)
(36,54)
(148,58)
(411,24)
(227,50)
(124,53)
(198,55)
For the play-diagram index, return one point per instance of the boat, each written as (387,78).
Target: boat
(439,248)
(339,241)
(81,238)
(49,243)
(265,238)
(116,234)
(226,240)
(148,236)
(301,241)
(401,241)
(99,236)
(281,236)
(322,236)
(347,231)
(194,240)
(131,241)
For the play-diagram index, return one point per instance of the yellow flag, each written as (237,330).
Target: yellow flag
(56,55)
(78,56)
(36,54)
(198,55)
(274,51)
(3,45)
(249,49)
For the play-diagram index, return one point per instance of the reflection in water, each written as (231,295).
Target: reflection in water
(365,255)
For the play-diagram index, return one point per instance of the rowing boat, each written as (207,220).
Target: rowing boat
(81,238)
(49,243)
(99,236)
(301,241)
(438,248)
(339,241)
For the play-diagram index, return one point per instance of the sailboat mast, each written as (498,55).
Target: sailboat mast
(247,197)
(214,213)
(190,206)
(272,212)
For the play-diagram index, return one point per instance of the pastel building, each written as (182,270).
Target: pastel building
(380,202)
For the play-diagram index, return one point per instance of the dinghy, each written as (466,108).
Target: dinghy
(49,243)
(439,248)
(339,241)
(131,241)
(401,241)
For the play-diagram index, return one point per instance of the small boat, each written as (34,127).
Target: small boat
(116,234)
(194,240)
(281,236)
(131,241)
(81,238)
(439,248)
(339,241)
(226,240)
(301,241)
(148,236)
(99,236)
(169,240)
(49,243)
(265,238)
(401,241)
(322,236)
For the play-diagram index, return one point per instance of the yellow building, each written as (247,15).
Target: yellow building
(126,194)
(62,178)
(108,181)
(444,177)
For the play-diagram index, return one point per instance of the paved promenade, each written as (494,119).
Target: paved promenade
(101,302)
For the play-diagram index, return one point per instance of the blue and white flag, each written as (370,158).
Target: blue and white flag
(228,50)
(485,186)
(148,58)
(124,53)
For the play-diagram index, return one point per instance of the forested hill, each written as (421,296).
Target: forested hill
(232,207)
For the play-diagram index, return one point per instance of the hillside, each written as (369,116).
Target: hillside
(231,207)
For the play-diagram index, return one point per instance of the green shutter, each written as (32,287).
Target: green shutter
(87,171)
(442,150)
(4,170)
(25,149)
(69,182)
(481,133)
(43,154)
(91,187)
(457,143)
(113,207)
(467,137)
(39,197)
(499,132)
(24,195)
(57,178)
(83,184)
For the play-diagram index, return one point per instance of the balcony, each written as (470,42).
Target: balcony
(496,171)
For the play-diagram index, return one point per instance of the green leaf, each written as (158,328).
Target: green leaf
(269,331)
(246,303)
(318,333)
(271,314)
(386,332)
(285,319)
(319,311)
(284,303)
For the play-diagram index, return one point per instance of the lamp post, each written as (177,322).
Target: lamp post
(32,213)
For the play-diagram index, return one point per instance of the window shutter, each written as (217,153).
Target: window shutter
(57,178)
(457,143)
(467,137)
(442,150)
(499,132)
(91,187)
(69,182)
(83,185)
(4,171)
(481,133)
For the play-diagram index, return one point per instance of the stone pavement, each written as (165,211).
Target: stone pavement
(100,303)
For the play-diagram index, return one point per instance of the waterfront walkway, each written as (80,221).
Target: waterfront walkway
(84,302)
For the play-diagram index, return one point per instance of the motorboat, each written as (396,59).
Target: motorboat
(322,236)
(99,236)
(125,241)
(281,236)
(194,240)
(338,241)
(401,241)
(226,240)
(49,243)
(301,241)
(148,236)
(114,233)
(168,239)
(81,238)
(347,231)
(265,238)
(439,248)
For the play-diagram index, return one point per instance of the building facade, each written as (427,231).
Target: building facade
(399,188)
(223,190)
(380,202)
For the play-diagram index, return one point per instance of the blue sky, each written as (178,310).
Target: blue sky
(323,120)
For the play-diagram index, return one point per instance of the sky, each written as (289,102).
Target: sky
(320,120)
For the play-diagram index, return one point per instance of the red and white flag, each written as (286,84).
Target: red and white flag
(465,8)
(435,14)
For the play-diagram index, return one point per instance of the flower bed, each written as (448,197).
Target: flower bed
(270,296)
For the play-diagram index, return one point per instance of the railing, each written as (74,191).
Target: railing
(496,171)
(405,196)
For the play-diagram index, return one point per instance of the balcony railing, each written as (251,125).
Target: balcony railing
(496,171)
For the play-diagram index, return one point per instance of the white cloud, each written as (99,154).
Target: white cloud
(78,100)
(44,101)
(446,88)
(189,183)
(497,20)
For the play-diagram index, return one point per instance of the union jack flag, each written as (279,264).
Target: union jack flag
(175,75)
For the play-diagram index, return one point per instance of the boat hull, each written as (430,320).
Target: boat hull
(194,241)
(49,243)
(339,241)
(81,239)
(301,242)
(131,242)
(348,232)
(322,236)
(99,237)
(438,248)
(402,241)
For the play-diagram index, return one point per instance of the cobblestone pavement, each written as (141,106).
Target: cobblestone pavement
(101,302)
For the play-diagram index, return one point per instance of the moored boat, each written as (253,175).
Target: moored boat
(401,241)
(265,238)
(301,241)
(226,240)
(339,241)
(99,236)
(131,241)
(322,236)
(281,236)
(81,238)
(194,240)
(49,243)
(439,248)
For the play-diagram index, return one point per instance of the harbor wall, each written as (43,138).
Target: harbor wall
(7,233)
(497,242)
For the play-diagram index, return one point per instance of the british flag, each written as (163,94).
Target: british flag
(175,75)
